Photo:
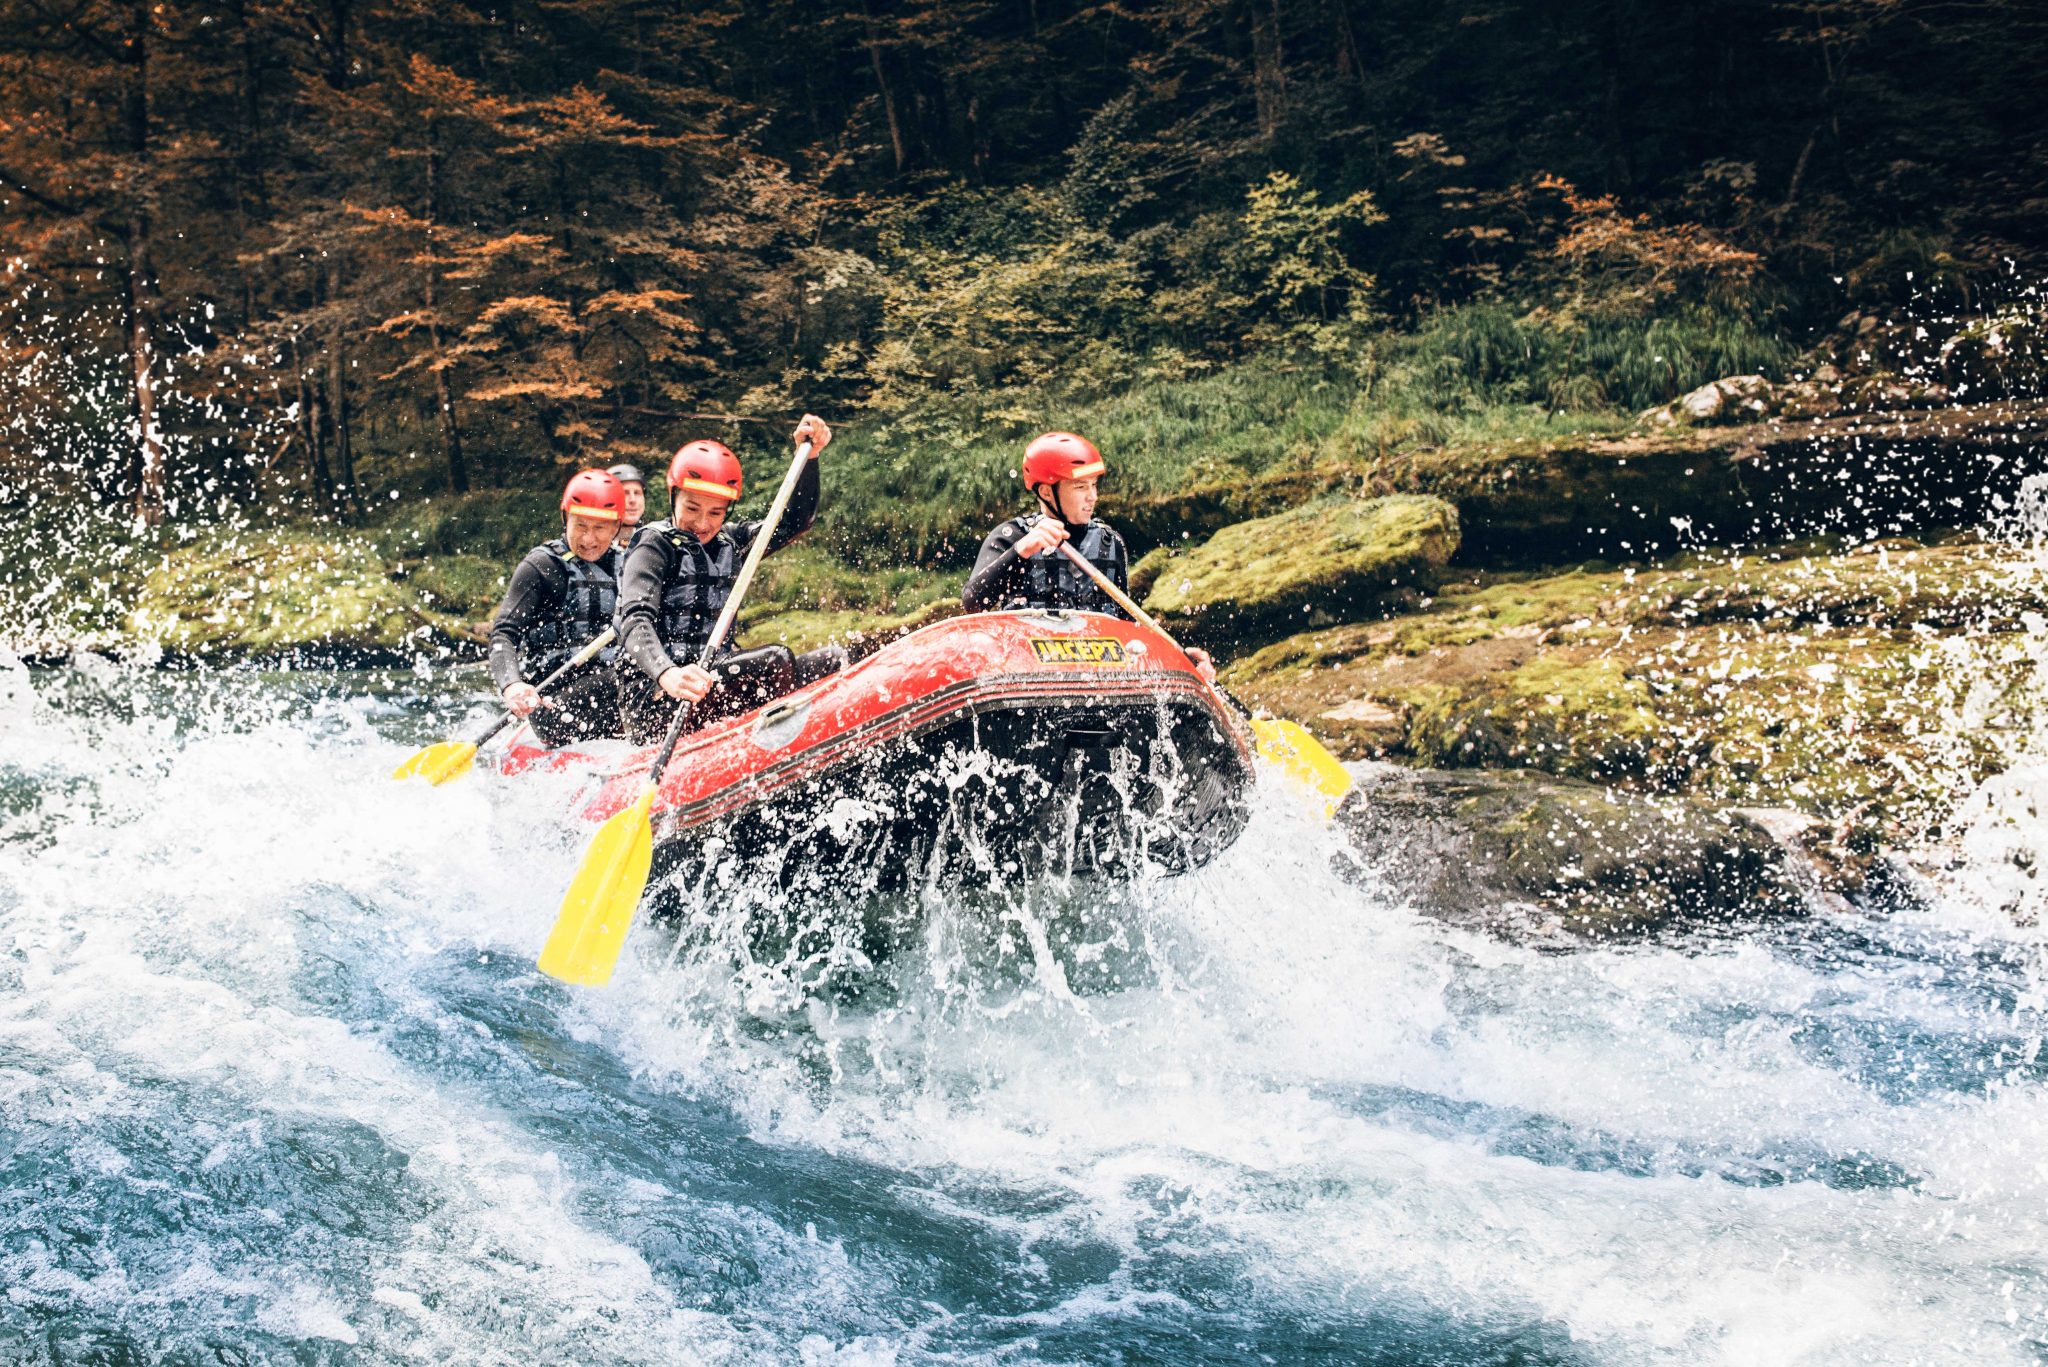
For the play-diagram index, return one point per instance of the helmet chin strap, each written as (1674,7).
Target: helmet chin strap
(1058,508)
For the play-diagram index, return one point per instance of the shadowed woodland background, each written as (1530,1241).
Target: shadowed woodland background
(318,253)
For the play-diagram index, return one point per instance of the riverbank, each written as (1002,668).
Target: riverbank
(1622,606)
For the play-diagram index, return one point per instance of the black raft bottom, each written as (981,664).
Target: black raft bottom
(1013,791)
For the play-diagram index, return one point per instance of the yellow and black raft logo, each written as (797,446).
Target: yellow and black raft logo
(1078,650)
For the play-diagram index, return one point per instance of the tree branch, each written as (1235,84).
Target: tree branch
(50,202)
(693,417)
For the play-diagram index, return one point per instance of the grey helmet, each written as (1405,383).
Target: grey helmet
(628,474)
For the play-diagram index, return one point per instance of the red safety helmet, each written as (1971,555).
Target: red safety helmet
(593,493)
(1060,455)
(705,467)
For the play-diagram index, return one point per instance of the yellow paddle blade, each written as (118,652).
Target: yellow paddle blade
(1302,758)
(597,911)
(438,762)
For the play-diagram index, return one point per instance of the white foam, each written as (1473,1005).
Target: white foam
(1352,1109)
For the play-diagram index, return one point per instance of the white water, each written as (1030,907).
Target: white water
(277,1078)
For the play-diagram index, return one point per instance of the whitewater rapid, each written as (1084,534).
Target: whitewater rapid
(279,1082)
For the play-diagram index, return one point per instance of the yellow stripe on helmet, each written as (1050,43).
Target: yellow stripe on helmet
(611,514)
(705,486)
(1092,468)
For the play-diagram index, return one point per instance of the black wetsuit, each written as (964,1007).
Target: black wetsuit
(670,594)
(556,604)
(1002,580)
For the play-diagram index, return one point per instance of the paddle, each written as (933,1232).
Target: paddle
(448,759)
(1285,743)
(598,908)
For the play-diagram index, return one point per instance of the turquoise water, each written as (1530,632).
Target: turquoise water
(279,1083)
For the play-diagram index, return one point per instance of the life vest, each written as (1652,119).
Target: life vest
(590,597)
(1050,580)
(699,581)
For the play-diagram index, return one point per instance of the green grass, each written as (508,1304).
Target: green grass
(909,496)
(932,496)
(807,577)
(495,523)
(277,589)
(1500,355)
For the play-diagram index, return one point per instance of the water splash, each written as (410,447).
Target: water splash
(1995,859)
(278,1079)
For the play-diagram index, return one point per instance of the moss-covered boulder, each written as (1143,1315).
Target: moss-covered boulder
(1645,494)
(1649,494)
(1334,556)
(1877,685)
(285,590)
(1513,850)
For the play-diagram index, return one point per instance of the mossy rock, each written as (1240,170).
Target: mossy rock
(282,591)
(1874,686)
(1334,556)
(1516,851)
(1166,519)
(1145,570)
(1535,498)
(465,587)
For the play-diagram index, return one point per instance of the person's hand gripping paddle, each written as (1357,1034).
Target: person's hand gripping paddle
(1288,744)
(598,909)
(447,759)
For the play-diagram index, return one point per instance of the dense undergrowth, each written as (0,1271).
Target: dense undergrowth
(909,492)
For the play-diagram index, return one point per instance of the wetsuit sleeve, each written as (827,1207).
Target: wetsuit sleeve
(796,518)
(986,586)
(639,614)
(530,599)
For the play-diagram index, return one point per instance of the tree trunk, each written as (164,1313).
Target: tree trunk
(1350,57)
(337,398)
(248,159)
(336,39)
(310,432)
(444,402)
(898,141)
(1269,66)
(141,285)
(149,489)
(1614,104)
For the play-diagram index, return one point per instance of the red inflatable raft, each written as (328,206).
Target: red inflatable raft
(981,747)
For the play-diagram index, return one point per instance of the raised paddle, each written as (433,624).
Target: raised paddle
(597,911)
(448,759)
(1285,743)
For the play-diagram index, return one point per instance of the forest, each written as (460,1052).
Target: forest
(306,259)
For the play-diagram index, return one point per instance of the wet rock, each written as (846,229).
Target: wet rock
(1738,398)
(1650,493)
(1930,464)
(1826,681)
(1366,725)
(1334,556)
(2005,353)
(1517,851)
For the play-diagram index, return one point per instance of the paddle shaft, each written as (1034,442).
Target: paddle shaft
(576,661)
(1138,614)
(731,610)
(1265,745)
(1117,595)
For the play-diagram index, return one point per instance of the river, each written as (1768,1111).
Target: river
(280,1083)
